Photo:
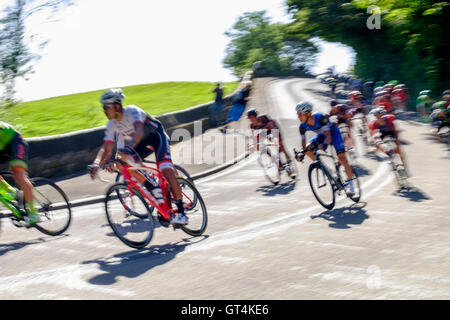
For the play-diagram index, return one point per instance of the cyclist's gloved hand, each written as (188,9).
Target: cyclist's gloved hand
(92,169)
(132,153)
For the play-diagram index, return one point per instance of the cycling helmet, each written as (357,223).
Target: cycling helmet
(446,93)
(377,89)
(400,86)
(112,96)
(354,94)
(381,93)
(252,112)
(304,106)
(378,111)
(438,105)
(333,102)
(424,93)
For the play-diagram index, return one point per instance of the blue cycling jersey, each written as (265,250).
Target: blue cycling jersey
(321,124)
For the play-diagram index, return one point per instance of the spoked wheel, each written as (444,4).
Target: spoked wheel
(129,216)
(53,207)
(194,208)
(269,162)
(322,185)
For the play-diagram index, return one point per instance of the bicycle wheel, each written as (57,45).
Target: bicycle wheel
(322,185)
(129,216)
(194,208)
(53,207)
(269,163)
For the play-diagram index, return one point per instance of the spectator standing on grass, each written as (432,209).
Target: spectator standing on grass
(215,111)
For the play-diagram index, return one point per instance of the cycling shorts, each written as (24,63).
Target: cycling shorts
(16,152)
(336,140)
(157,142)
(389,133)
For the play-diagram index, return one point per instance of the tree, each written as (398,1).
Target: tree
(411,46)
(255,38)
(16,58)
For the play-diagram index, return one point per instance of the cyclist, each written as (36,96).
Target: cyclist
(343,112)
(384,99)
(423,103)
(327,133)
(384,124)
(14,148)
(268,124)
(359,105)
(139,134)
(446,97)
(400,97)
(440,117)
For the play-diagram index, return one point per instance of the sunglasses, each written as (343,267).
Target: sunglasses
(107,106)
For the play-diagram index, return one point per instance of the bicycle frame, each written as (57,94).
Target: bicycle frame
(9,205)
(163,208)
(337,179)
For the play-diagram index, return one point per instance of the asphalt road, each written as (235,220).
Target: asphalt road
(262,241)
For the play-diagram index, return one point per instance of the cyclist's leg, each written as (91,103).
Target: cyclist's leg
(283,149)
(339,146)
(165,165)
(19,168)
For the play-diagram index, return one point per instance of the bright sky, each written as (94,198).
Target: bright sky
(106,43)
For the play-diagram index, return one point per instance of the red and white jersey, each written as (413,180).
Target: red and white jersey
(124,129)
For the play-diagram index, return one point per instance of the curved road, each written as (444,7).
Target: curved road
(262,241)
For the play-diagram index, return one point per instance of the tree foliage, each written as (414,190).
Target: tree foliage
(255,38)
(411,45)
(16,58)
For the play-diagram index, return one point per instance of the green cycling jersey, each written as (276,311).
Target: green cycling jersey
(7,133)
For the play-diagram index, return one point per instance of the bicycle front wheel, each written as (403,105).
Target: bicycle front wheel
(53,207)
(270,165)
(129,216)
(322,185)
(194,208)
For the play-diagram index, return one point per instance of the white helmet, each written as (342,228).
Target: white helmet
(378,110)
(112,96)
(304,106)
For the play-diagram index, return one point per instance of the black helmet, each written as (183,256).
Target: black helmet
(333,102)
(252,112)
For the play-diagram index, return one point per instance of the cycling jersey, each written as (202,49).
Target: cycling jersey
(268,124)
(359,106)
(322,124)
(13,147)
(386,129)
(124,131)
(384,101)
(7,133)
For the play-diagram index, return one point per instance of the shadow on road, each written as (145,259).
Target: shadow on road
(132,264)
(274,190)
(342,218)
(413,194)
(361,170)
(7,247)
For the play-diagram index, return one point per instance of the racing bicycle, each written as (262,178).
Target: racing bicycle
(273,161)
(324,181)
(130,207)
(397,166)
(51,202)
